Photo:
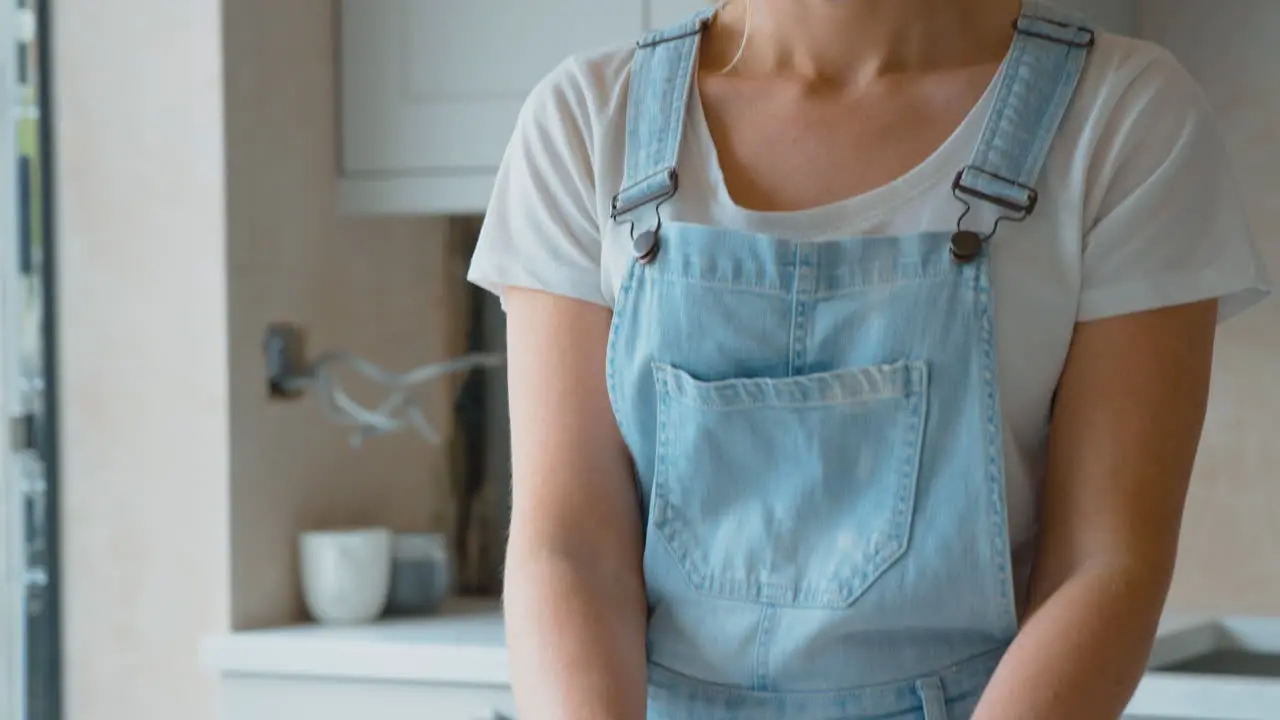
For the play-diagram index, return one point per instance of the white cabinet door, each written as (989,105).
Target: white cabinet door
(663,13)
(431,88)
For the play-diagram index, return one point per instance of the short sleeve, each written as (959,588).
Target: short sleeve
(1169,225)
(541,230)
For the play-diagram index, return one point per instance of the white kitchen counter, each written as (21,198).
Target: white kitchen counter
(463,644)
(456,663)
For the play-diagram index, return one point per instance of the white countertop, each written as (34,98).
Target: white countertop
(464,644)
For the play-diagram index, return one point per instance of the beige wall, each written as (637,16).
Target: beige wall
(183,487)
(1231,536)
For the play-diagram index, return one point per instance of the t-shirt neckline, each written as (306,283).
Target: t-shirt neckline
(864,208)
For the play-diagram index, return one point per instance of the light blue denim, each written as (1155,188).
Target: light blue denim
(816,428)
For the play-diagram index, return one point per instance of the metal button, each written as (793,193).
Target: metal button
(966,245)
(645,246)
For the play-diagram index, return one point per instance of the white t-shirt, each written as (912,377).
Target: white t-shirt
(1138,210)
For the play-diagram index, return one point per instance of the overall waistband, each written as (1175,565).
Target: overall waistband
(954,684)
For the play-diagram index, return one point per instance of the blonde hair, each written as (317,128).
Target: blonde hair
(746,30)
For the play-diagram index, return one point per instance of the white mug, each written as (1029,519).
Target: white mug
(346,574)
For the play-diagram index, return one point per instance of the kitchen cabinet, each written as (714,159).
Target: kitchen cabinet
(1118,16)
(664,13)
(430,89)
(449,666)
(250,697)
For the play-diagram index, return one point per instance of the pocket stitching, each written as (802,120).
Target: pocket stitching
(891,380)
(663,519)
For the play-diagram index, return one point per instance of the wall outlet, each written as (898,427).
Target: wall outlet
(288,372)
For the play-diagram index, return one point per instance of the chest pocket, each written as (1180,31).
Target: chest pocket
(796,492)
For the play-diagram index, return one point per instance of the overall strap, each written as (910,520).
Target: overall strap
(1036,85)
(662,78)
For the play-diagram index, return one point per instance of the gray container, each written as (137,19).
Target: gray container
(422,575)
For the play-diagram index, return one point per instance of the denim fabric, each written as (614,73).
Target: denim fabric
(816,430)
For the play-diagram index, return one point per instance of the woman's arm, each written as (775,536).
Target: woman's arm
(574,591)
(1126,425)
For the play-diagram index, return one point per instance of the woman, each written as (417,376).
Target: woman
(859,353)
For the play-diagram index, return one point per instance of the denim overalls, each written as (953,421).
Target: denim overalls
(816,426)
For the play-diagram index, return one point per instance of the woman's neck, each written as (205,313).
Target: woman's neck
(855,42)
